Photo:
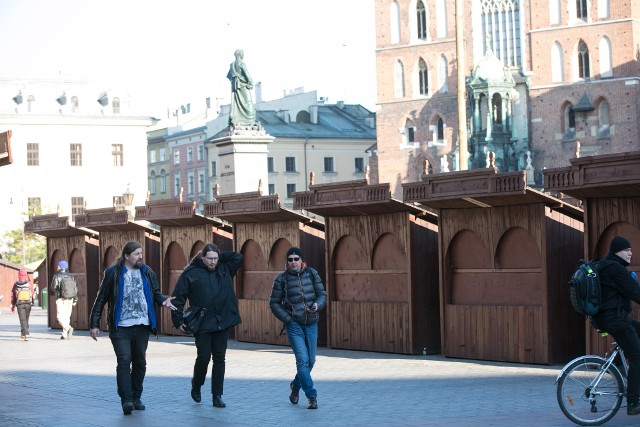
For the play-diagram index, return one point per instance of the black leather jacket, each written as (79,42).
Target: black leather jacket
(294,292)
(618,289)
(109,293)
(210,289)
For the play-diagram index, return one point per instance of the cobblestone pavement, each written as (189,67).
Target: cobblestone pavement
(50,382)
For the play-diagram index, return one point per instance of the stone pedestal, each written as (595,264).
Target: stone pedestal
(242,161)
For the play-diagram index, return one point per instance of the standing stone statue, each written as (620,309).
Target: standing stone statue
(243,112)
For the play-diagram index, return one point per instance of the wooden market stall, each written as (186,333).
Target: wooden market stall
(9,276)
(263,231)
(382,268)
(80,248)
(609,188)
(183,233)
(116,230)
(506,254)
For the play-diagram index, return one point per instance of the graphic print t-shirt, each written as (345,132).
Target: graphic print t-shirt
(134,304)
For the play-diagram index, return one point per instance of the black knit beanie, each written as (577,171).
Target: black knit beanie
(294,251)
(619,244)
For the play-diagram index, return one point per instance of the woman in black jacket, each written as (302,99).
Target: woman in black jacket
(618,289)
(207,283)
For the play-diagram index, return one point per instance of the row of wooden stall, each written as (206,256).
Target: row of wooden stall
(472,264)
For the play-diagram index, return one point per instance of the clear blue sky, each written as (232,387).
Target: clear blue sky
(167,53)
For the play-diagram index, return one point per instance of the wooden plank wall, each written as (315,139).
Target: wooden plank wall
(565,243)
(83,268)
(604,219)
(370,286)
(264,260)
(493,283)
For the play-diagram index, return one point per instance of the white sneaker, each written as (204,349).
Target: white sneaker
(70,333)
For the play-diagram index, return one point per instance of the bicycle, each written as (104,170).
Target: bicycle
(590,388)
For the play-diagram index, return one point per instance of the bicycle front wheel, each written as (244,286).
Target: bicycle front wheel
(585,401)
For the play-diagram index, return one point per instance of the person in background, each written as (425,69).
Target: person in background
(64,301)
(618,289)
(207,283)
(21,299)
(297,298)
(129,288)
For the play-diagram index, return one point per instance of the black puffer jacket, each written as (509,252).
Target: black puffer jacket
(109,293)
(210,289)
(618,289)
(294,292)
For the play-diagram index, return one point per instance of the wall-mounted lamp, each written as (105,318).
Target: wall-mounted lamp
(62,99)
(103,99)
(18,98)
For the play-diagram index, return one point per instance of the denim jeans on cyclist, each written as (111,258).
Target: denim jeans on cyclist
(627,335)
(304,341)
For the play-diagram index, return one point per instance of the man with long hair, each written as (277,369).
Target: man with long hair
(129,288)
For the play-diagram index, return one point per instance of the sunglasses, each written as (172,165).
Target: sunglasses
(295,258)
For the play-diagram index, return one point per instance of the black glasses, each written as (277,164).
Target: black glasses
(295,258)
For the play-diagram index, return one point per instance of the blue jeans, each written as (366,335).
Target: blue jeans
(130,345)
(304,341)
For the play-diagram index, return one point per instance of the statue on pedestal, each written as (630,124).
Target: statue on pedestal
(243,111)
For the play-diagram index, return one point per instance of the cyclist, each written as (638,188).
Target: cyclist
(618,290)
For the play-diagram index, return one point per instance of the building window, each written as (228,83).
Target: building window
(176,186)
(189,154)
(394,24)
(200,153)
(74,104)
(398,79)
(582,10)
(604,128)
(583,61)
(328,164)
(116,153)
(191,183)
(76,154)
(423,77)
(443,84)
(152,183)
(603,9)
(422,21)
(201,188)
(115,104)
(272,189)
(569,122)
(501,28)
(270,166)
(440,129)
(213,169)
(554,11)
(118,202)
(359,165)
(557,65)
(31,100)
(176,157)
(291,188)
(163,154)
(34,206)
(605,58)
(290,164)
(163,182)
(152,156)
(33,154)
(77,207)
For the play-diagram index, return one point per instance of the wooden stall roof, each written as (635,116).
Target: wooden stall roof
(253,207)
(53,225)
(110,219)
(480,188)
(174,213)
(352,198)
(606,175)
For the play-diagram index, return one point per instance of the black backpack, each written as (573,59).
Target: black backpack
(584,288)
(68,286)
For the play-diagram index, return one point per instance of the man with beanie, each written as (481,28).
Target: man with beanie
(64,303)
(297,298)
(618,289)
